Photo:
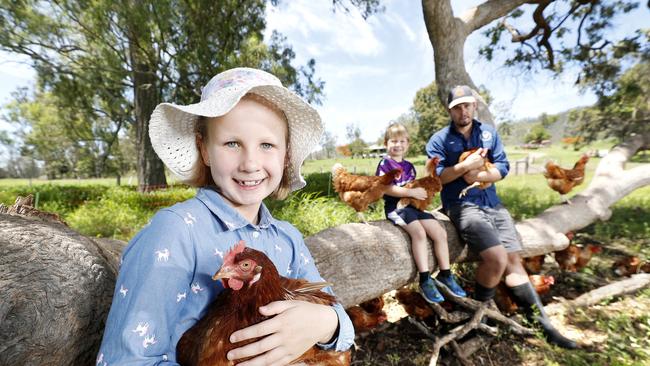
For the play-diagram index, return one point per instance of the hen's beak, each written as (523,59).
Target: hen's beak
(224,272)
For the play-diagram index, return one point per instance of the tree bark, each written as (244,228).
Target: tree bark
(56,293)
(150,169)
(448,33)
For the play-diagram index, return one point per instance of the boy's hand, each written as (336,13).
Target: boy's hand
(418,193)
(296,327)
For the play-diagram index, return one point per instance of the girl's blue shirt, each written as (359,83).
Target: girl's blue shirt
(165,282)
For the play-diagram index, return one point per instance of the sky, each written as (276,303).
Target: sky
(373,68)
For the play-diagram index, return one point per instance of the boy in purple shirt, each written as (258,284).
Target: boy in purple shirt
(418,224)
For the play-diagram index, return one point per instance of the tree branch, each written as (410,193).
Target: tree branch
(481,15)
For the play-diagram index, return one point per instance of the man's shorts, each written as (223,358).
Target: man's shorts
(485,227)
(408,214)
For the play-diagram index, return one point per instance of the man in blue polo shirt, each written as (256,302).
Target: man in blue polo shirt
(482,221)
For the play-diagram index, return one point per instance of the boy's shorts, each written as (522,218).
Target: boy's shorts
(408,214)
(485,227)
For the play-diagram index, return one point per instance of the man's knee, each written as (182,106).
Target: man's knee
(496,258)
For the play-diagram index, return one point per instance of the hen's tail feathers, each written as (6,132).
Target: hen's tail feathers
(336,168)
(431,165)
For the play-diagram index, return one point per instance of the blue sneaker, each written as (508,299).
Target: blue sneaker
(452,285)
(430,292)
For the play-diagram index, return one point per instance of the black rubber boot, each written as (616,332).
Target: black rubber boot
(527,298)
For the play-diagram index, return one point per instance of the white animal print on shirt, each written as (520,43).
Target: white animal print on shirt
(278,248)
(304,258)
(100,358)
(289,269)
(162,255)
(123,290)
(218,253)
(148,340)
(189,219)
(141,329)
(196,288)
(181,296)
(256,234)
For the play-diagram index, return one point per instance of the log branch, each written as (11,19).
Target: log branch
(457,333)
(626,286)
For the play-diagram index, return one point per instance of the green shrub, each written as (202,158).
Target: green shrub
(62,199)
(122,212)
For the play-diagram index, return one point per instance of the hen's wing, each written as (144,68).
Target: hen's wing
(299,289)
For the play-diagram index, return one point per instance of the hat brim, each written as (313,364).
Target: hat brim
(467,99)
(172,128)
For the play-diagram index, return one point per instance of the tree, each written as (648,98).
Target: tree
(430,114)
(624,112)
(505,129)
(595,54)
(328,144)
(118,60)
(537,134)
(356,146)
(546,121)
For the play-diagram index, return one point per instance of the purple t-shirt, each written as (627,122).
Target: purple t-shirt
(408,175)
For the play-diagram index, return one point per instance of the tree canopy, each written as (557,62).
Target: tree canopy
(118,60)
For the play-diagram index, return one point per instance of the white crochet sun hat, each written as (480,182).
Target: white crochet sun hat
(172,126)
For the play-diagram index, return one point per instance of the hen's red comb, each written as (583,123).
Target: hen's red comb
(238,248)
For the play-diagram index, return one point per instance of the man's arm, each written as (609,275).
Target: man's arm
(491,175)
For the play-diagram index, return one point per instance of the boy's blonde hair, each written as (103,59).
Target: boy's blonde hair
(395,130)
(202,176)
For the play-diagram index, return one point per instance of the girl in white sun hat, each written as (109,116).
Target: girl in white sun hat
(244,141)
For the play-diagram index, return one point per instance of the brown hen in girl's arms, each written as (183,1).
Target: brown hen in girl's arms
(251,281)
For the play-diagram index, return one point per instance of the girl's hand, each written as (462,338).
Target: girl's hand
(418,193)
(296,327)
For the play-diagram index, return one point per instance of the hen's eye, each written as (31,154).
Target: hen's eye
(245,265)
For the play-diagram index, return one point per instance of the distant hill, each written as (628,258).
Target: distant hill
(558,130)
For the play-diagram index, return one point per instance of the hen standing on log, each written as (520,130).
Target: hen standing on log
(233,146)
(359,191)
(250,280)
(482,221)
(563,180)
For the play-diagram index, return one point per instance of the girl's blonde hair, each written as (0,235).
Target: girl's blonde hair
(202,176)
(395,130)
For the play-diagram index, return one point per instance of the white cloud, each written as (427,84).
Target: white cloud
(315,24)
(398,21)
